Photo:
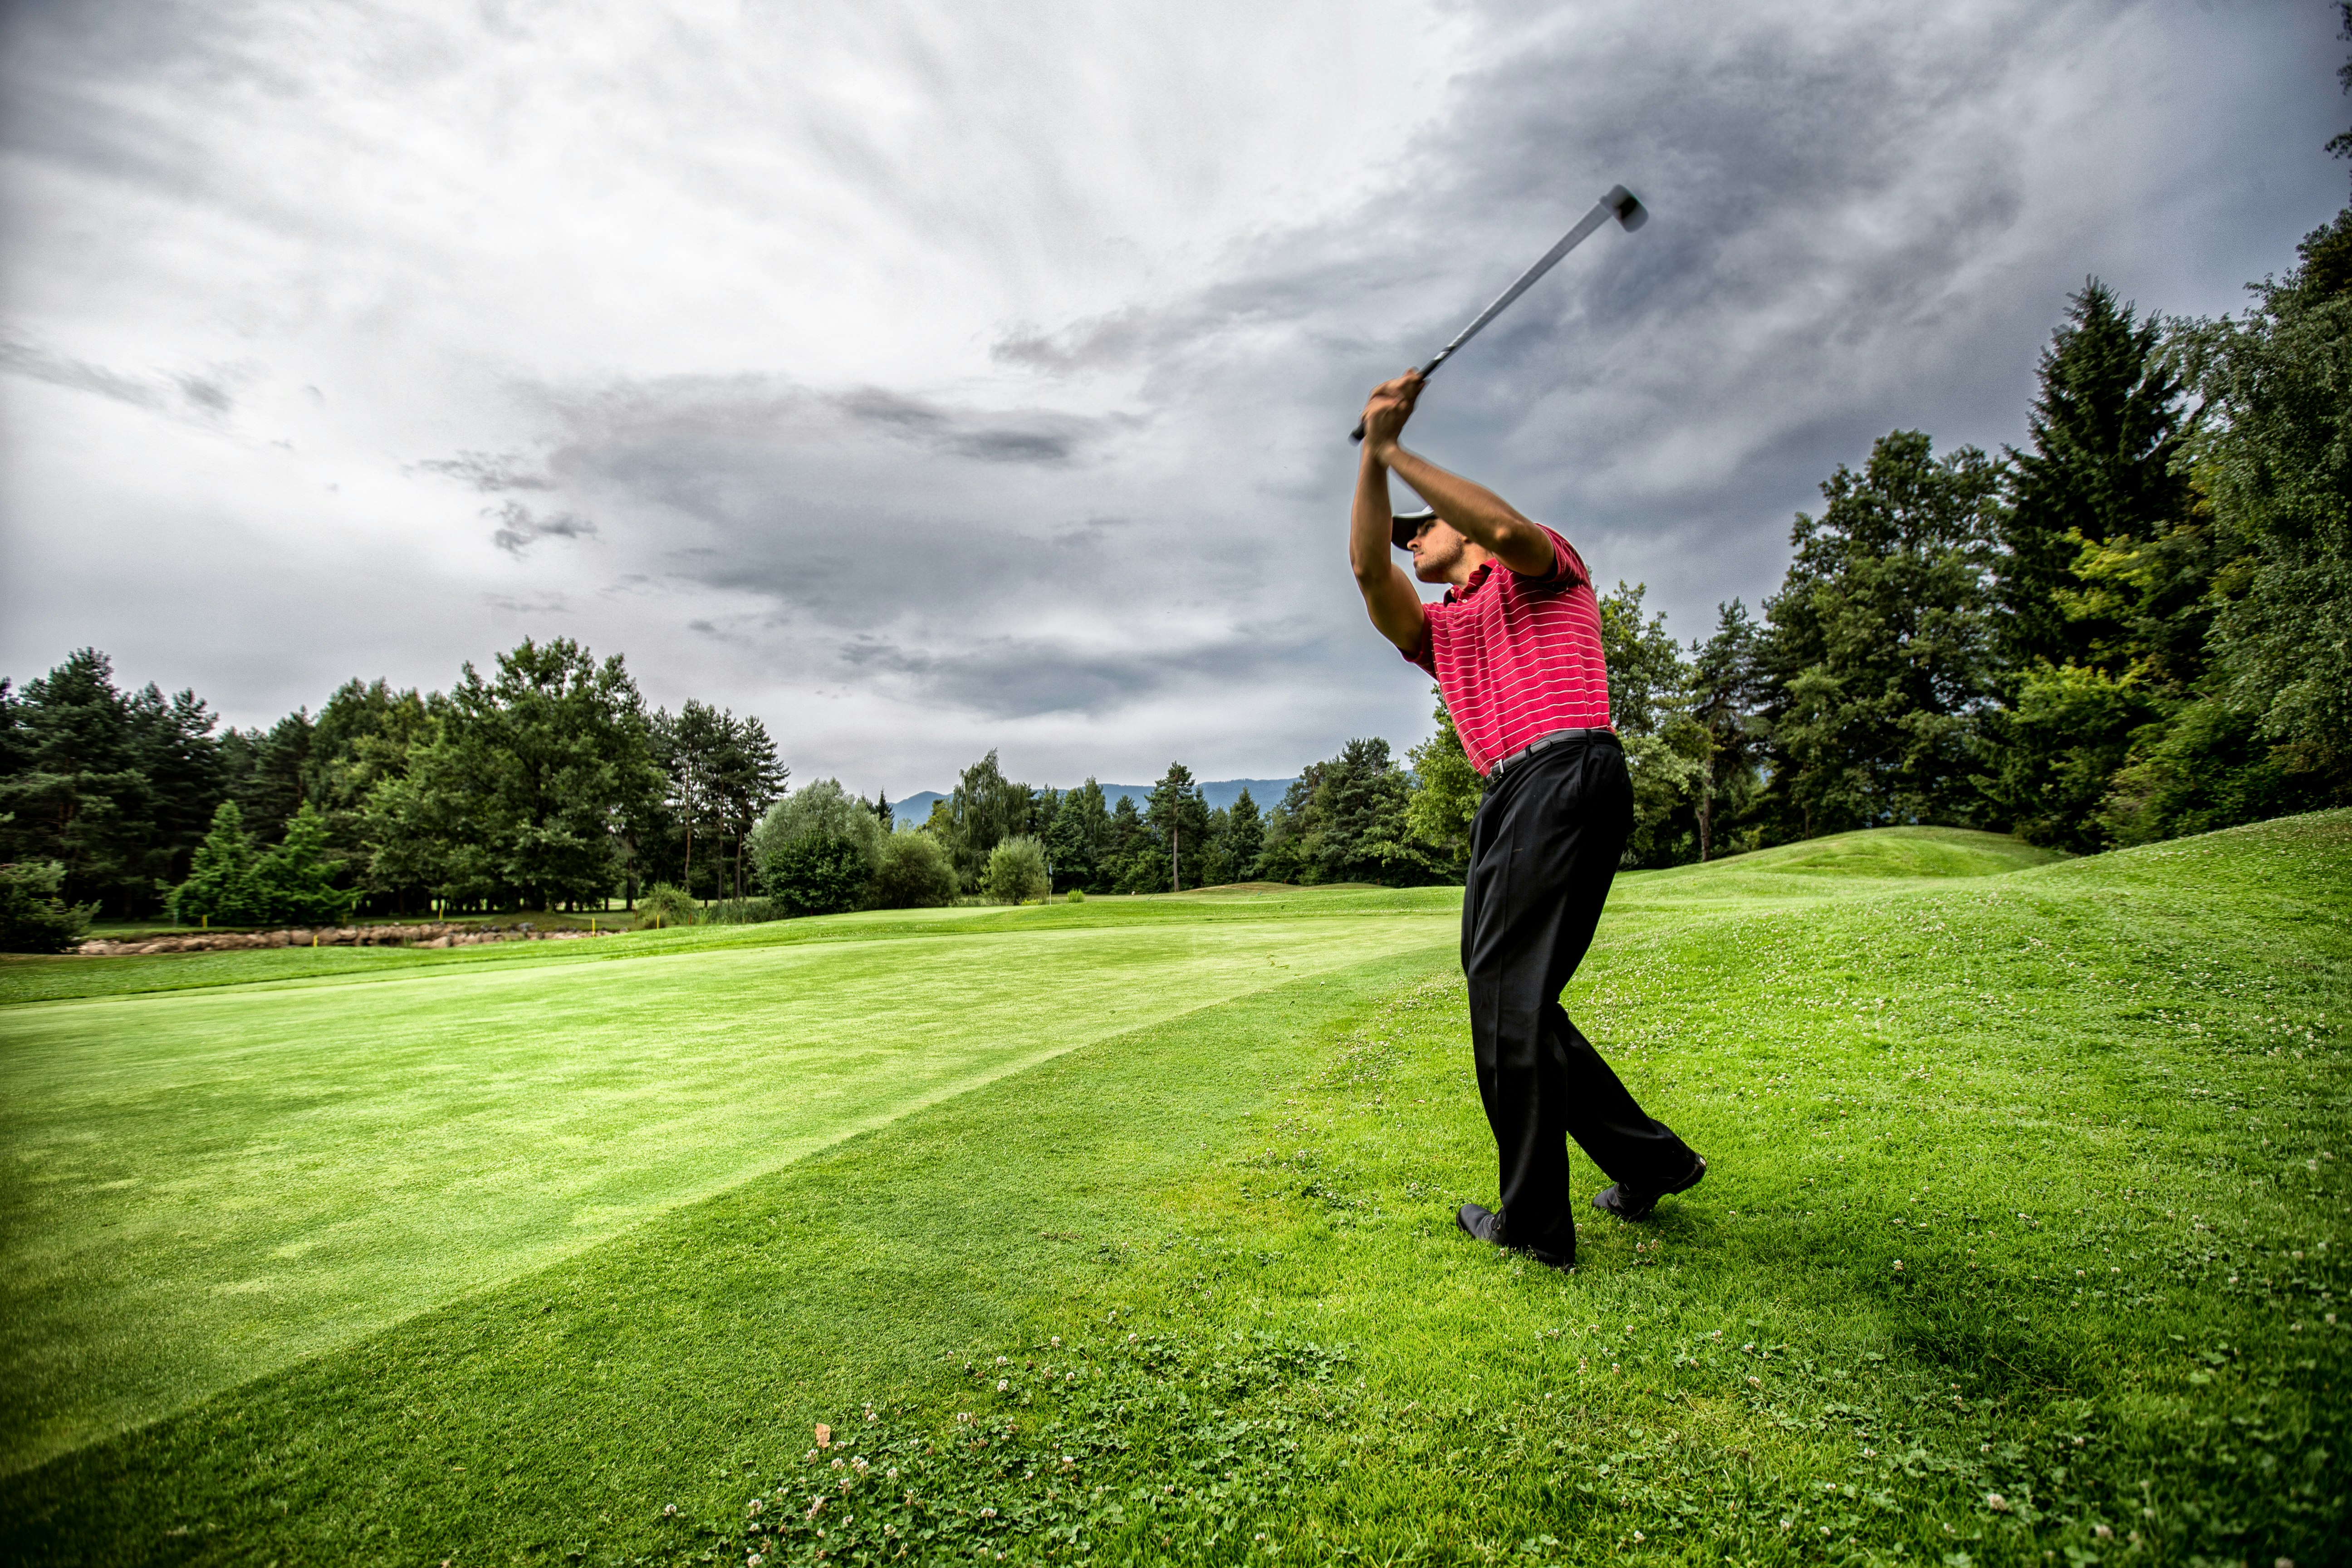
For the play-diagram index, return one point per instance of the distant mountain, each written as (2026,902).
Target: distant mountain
(1219,793)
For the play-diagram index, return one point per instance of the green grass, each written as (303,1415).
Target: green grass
(2095,1109)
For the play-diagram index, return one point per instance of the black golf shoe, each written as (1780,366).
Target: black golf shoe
(1478,1221)
(1633,1204)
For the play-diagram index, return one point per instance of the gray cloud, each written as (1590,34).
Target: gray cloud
(489,472)
(206,397)
(25,359)
(518,529)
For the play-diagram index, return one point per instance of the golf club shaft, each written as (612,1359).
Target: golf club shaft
(1602,210)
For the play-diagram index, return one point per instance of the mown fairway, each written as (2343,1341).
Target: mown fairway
(209,1184)
(2022,1243)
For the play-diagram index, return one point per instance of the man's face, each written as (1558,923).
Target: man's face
(1437,551)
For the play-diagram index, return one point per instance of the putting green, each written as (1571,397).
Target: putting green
(204,1185)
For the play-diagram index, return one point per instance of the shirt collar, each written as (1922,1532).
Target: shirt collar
(1470,585)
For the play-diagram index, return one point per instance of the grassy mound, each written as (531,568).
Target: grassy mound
(2022,1243)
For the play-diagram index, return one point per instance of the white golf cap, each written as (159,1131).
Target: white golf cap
(1404,525)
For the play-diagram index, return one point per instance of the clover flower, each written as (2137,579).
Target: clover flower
(668,1509)
(1996,1503)
(988,1513)
(1002,1385)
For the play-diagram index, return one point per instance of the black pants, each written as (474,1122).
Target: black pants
(1543,850)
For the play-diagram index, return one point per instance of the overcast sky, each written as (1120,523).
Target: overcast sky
(929,378)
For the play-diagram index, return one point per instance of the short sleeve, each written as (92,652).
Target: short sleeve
(1424,653)
(1567,566)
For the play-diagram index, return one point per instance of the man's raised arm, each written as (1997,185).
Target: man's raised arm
(1390,596)
(1482,517)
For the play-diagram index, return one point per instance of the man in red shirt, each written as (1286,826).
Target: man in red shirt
(1515,645)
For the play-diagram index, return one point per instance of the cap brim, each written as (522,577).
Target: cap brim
(1404,525)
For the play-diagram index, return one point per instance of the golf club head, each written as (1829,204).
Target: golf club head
(1630,211)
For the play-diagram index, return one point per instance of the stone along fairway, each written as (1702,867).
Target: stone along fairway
(1123,1231)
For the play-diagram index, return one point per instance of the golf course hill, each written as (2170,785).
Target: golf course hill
(1122,1231)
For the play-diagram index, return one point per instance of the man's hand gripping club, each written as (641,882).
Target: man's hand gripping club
(1473,523)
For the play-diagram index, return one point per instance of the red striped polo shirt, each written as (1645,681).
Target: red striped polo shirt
(1516,657)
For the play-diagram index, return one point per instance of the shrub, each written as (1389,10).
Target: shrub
(1077,895)
(818,874)
(666,904)
(32,917)
(742,913)
(915,873)
(1016,871)
(818,849)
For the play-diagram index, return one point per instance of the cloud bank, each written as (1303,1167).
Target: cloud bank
(933,378)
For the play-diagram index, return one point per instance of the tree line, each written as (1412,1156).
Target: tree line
(547,784)
(2136,626)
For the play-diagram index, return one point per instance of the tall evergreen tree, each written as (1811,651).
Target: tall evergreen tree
(2106,428)
(269,772)
(77,793)
(220,886)
(1179,820)
(2102,577)
(1244,838)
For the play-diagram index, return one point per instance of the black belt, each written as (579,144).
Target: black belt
(1540,742)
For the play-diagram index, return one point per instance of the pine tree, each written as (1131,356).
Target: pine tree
(295,881)
(219,889)
(2106,427)
(1179,820)
(2104,576)
(1245,838)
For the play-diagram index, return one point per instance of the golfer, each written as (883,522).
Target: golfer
(1515,645)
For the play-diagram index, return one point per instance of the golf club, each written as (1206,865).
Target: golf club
(1618,203)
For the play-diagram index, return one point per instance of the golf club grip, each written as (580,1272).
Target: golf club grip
(1357,435)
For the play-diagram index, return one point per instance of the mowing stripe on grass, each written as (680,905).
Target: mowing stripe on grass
(204,1185)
